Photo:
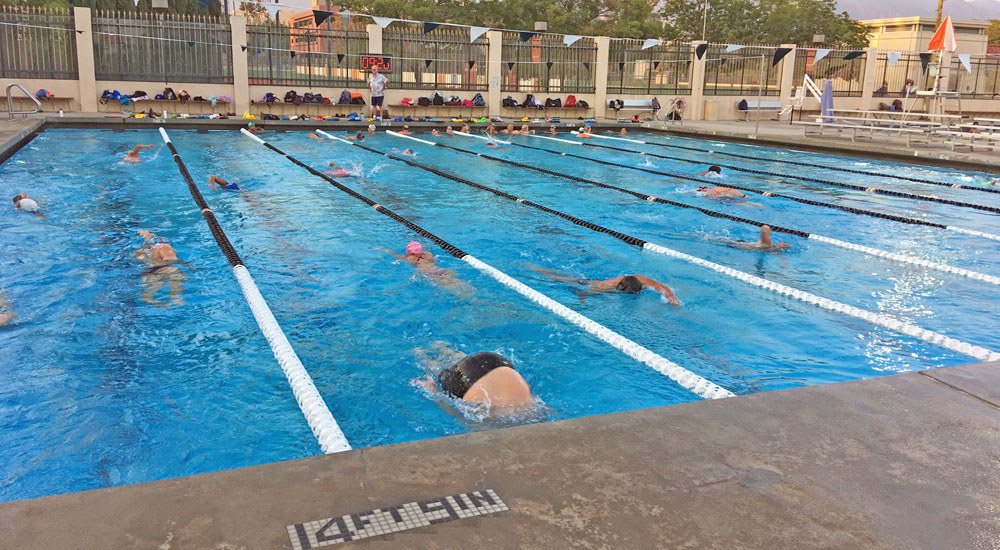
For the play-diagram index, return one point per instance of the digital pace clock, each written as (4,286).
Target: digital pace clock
(382,62)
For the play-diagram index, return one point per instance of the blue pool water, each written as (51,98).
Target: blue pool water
(101,389)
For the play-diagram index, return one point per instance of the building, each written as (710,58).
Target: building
(912,34)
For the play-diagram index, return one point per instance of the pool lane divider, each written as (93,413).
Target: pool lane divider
(685,378)
(876,190)
(806,164)
(895,256)
(890,217)
(885,321)
(328,433)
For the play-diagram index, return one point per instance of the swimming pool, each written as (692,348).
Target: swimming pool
(104,389)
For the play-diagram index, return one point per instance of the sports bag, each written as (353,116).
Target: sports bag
(468,103)
(290,96)
(438,98)
(478,100)
(168,93)
(423,101)
(570,101)
(582,104)
(345,98)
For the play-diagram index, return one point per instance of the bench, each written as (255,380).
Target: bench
(968,139)
(632,105)
(191,106)
(762,106)
(861,132)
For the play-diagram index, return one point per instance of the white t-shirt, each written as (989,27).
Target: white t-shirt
(28,205)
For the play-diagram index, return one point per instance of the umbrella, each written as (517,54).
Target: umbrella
(944,37)
(826,100)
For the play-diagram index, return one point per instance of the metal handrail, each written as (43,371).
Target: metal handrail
(10,103)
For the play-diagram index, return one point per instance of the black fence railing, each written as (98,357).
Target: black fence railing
(899,79)
(443,59)
(662,69)
(327,56)
(984,80)
(162,47)
(740,72)
(27,51)
(544,64)
(847,75)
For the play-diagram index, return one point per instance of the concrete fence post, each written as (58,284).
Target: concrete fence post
(241,74)
(697,107)
(787,81)
(494,72)
(868,85)
(375,39)
(86,77)
(601,77)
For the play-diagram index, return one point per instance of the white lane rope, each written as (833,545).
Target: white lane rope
(324,427)
(575,133)
(885,321)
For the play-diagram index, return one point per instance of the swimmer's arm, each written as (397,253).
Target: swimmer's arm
(212,180)
(394,255)
(661,288)
(135,152)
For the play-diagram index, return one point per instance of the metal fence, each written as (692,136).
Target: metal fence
(27,51)
(892,79)
(984,80)
(847,75)
(327,56)
(739,72)
(544,64)
(162,47)
(656,70)
(443,59)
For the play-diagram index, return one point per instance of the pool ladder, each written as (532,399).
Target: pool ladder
(10,103)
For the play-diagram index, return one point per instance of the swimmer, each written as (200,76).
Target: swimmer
(585,131)
(492,130)
(525,130)
(23,203)
(357,137)
(424,262)
(133,155)
(337,170)
(253,128)
(160,258)
(408,152)
(371,129)
(405,131)
(481,378)
(629,284)
(624,132)
(465,129)
(712,172)
(5,317)
(510,130)
(223,184)
(721,193)
(314,136)
(763,244)
(449,130)
(552,130)
(435,133)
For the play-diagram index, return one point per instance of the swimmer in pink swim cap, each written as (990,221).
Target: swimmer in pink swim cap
(424,262)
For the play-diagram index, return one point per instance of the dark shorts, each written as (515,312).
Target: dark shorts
(377,101)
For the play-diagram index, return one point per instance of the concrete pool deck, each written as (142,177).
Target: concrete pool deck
(906,461)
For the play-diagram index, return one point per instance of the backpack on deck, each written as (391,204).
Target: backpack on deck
(478,100)
(168,93)
(345,98)
(553,102)
(743,105)
(299,100)
(438,98)
(468,103)
(424,101)
(530,101)
(509,102)
(269,98)
(655,103)
(582,104)
(290,96)
(570,101)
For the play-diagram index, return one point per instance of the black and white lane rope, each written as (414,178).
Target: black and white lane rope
(895,256)
(877,319)
(685,378)
(890,217)
(876,190)
(329,435)
(805,164)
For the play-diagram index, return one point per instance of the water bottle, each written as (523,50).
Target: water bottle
(60,112)
(164,113)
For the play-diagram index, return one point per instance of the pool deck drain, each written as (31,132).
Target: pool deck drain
(906,461)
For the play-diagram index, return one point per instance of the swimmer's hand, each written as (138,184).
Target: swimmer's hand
(146,234)
(426,383)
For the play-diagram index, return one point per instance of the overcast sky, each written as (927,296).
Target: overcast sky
(958,9)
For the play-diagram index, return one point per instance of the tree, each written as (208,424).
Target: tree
(764,21)
(993,32)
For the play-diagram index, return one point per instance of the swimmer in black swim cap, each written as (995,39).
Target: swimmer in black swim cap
(484,377)
(712,172)
(629,284)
